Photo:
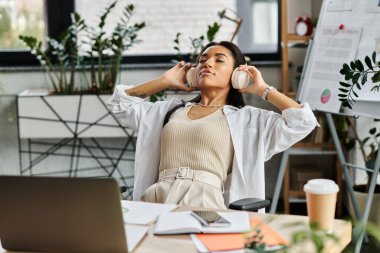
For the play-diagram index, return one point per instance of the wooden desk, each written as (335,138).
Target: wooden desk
(183,243)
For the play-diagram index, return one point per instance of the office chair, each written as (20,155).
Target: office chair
(249,204)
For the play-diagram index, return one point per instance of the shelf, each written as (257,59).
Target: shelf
(295,37)
(311,151)
(312,145)
(297,200)
(298,45)
(297,193)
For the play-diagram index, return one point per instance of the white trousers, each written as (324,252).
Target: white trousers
(184,186)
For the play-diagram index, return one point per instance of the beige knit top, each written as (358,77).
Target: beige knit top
(202,144)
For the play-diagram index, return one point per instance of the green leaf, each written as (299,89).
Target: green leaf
(365,140)
(342,95)
(318,242)
(364,78)
(346,104)
(345,66)
(368,62)
(343,90)
(358,86)
(356,95)
(348,75)
(344,71)
(212,31)
(373,230)
(376,88)
(355,78)
(345,84)
(372,130)
(376,77)
(299,236)
(374,57)
(342,99)
(359,65)
(377,135)
(352,64)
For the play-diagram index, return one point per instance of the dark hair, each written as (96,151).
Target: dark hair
(234,97)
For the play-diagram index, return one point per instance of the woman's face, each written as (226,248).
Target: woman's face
(215,68)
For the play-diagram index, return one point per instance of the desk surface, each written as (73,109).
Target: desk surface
(170,243)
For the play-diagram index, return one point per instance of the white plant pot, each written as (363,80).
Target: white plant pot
(64,116)
(361,198)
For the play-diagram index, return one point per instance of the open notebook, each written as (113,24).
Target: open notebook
(184,222)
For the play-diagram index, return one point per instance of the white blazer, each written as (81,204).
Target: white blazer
(256,134)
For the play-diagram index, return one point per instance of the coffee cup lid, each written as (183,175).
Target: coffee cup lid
(321,186)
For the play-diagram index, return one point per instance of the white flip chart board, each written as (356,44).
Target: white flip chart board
(346,30)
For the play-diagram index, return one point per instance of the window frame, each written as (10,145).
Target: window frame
(58,18)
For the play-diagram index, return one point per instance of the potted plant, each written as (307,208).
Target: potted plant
(72,113)
(70,70)
(62,59)
(356,74)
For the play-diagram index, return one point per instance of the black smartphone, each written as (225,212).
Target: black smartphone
(210,219)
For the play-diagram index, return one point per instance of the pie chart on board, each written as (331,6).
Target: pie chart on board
(325,96)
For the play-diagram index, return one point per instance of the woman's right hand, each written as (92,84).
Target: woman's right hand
(176,76)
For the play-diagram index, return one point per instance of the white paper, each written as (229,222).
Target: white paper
(339,5)
(143,213)
(373,5)
(333,48)
(135,234)
(184,222)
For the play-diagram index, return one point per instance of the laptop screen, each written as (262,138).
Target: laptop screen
(48,214)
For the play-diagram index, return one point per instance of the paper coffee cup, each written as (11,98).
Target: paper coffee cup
(321,197)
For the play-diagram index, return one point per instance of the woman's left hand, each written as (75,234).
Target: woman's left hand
(258,85)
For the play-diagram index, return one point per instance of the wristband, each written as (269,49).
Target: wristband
(266,92)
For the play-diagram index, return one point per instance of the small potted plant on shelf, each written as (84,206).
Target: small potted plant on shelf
(356,75)
(84,60)
(196,44)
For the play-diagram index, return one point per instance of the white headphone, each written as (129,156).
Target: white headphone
(239,79)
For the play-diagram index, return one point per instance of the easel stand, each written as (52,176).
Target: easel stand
(363,218)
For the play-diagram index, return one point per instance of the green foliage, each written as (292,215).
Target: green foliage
(311,233)
(256,241)
(62,60)
(356,75)
(197,43)
(304,233)
(371,141)
(359,228)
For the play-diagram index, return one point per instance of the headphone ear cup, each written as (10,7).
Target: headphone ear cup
(191,78)
(240,79)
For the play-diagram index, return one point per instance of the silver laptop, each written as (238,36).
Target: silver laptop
(47,214)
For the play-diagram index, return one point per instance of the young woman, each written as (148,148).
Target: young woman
(210,151)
